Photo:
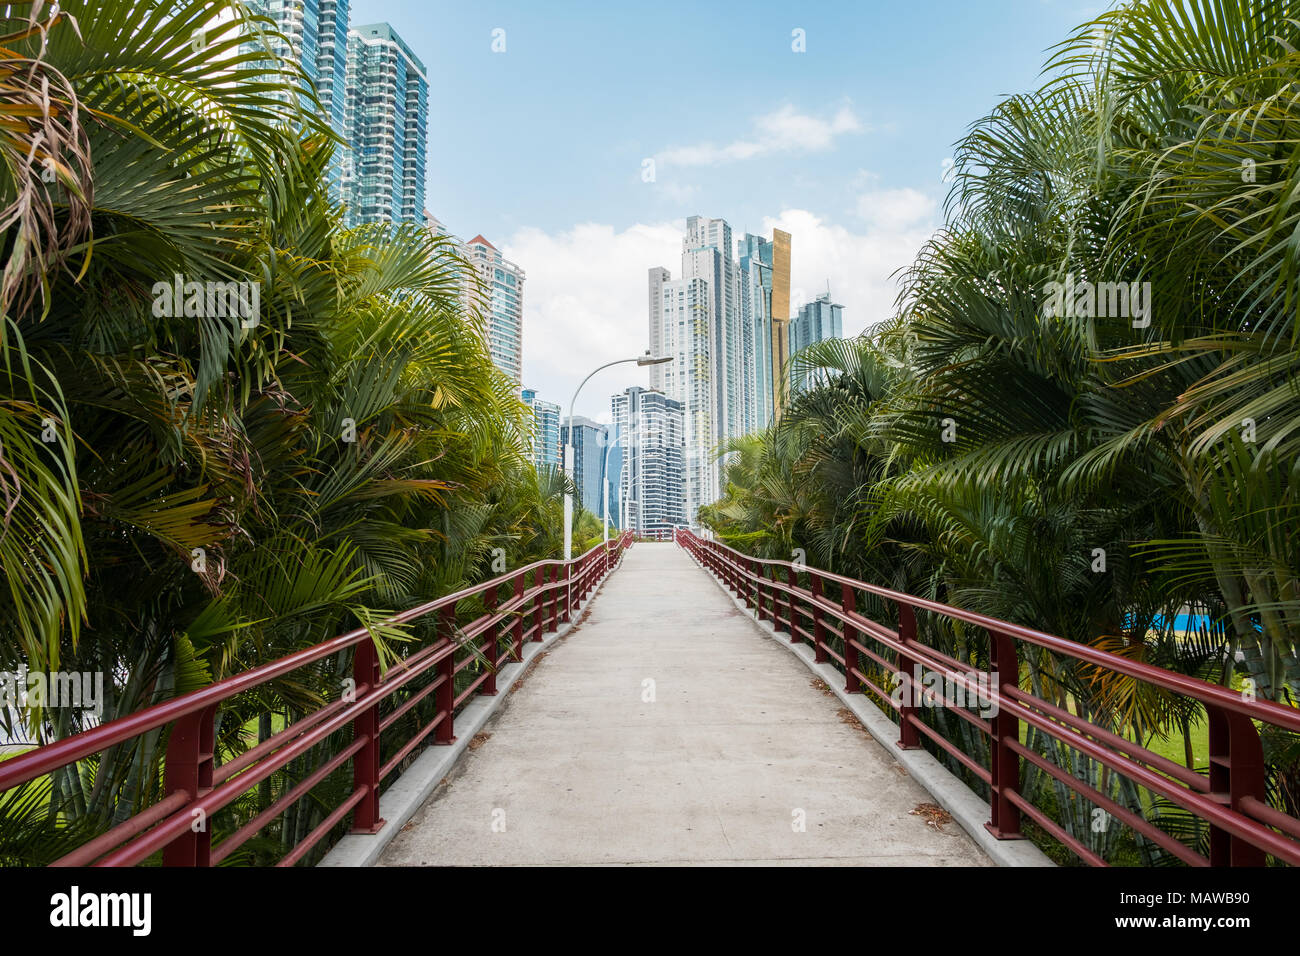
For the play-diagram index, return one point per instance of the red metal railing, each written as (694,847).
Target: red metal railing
(1244,829)
(538,598)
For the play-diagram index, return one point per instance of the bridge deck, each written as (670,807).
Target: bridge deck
(736,744)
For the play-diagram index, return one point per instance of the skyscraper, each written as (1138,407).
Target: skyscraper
(648,425)
(590,441)
(658,276)
(769,263)
(500,299)
(686,321)
(756,325)
(817,321)
(720,322)
(707,254)
(386,120)
(317,35)
(546,429)
(780,316)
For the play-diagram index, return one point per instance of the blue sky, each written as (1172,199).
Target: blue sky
(541,148)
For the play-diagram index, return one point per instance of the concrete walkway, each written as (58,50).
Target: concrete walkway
(665,729)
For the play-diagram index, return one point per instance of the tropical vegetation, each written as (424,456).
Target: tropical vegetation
(189,491)
(1085,414)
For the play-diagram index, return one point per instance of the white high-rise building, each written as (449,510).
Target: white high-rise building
(501,286)
(658,276)
(686,321)
(719,322)
(707,254)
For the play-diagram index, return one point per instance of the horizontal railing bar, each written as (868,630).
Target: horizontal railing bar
(322,831)
(401,710)
(223,772)
(241,836)
(969,762)
(411,744)
(1278,714)
(1055,829)
(1149,757)
(87,853)
(1239,816)
(1144,827)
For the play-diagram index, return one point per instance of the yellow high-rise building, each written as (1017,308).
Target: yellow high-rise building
(780,320)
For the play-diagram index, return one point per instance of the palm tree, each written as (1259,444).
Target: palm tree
(215,492)
(1081,470)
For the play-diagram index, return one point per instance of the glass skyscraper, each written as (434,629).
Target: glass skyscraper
(316,32)
(817,321)
(546,429)
(589,446)
(756,329)
(386,120)
(651,474)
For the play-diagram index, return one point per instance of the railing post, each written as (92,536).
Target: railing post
(1237,771)
(539,602)
(189,768)
(519,612)
(568,593)
(819,628)
(909,738)
(792,579)
(760,599)
(446,693)
(555,599)
(849,604)
(1004,822)
(365,726)
(492,650)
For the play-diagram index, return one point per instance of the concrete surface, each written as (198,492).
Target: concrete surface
(965,806)
(665,730)
(407,793)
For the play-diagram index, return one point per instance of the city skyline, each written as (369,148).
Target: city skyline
(846,152)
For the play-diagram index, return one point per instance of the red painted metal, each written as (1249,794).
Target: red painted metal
(365,732)
(1244,829)
(179,825)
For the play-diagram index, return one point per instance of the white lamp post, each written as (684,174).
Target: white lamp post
(604,505)
(646,359)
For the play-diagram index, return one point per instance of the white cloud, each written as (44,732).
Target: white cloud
(896,209)
(586,298)
(586,303)
(858,265)
(784,130)
(677,194)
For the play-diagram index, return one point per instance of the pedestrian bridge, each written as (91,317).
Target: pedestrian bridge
(666,727)
(668,703)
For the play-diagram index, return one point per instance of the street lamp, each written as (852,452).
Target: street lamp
(646,359)
(604,506)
